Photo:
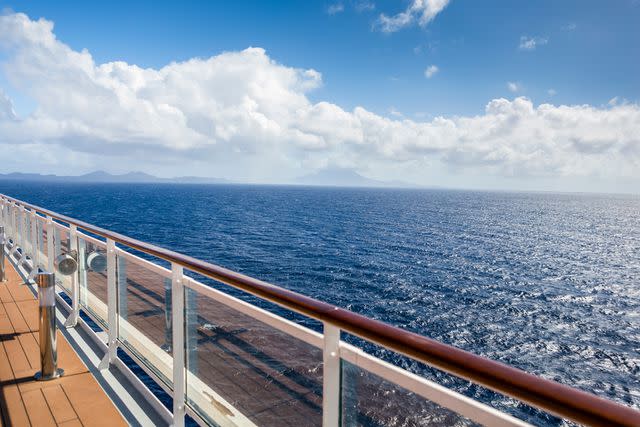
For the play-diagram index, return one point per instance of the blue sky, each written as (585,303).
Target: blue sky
(355,96)
(592,53)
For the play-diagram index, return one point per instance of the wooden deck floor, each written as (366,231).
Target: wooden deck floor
(75,399)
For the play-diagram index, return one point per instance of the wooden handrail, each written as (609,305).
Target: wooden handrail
(551,396)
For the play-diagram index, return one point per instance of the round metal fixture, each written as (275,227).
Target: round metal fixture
(66,264)
(97,261)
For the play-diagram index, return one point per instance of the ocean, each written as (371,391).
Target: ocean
(549,283)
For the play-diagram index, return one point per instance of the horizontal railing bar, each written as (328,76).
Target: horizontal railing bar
(551,396)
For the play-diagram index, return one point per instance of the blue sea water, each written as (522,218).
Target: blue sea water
(549,283)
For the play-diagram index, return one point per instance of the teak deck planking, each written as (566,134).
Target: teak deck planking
(75,399)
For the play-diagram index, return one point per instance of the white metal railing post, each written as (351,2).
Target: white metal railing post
(10,211)
(10,220)
(3,276)
(50,254)
(82,271)
(18,231)
(10,216)
(34,237)
(3,229)
(112,306)
(14,225)
(331,373)
(40,229)
(72,320)
(23,231)
(35,252)
(57,242)
(21,239)
(26,233)
(177,322)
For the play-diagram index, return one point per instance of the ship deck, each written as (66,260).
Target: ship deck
(75,399)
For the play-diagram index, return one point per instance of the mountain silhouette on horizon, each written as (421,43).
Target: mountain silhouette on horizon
(106,177)
(345,177)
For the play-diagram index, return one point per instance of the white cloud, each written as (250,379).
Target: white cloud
(365,6)
(514,87)
(422,11)
(243,116)
(530,43)
(335,8)
(431,71)
(552,92)
(569,27)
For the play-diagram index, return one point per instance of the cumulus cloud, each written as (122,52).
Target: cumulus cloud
(244,116)
(431,71)
(420,11)
(530,43)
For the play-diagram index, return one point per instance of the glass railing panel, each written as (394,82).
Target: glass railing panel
(92,263)
(243,371)
(61,245)
(28,246)
(371,401)
(19,219)
(144,309)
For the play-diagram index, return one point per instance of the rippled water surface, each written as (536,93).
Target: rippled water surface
(549,283)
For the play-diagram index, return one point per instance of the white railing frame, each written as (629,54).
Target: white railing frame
(331,372)
(112,307)
(14,228)
(21,242)
(50,247)
(177,344)
(333,349)
(72,320)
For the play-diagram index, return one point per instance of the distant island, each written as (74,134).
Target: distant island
(329,177)
(105,177)
(344,177)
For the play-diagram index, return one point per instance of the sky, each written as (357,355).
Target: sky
(538,95)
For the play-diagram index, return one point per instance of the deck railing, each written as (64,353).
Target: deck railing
(227,362)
